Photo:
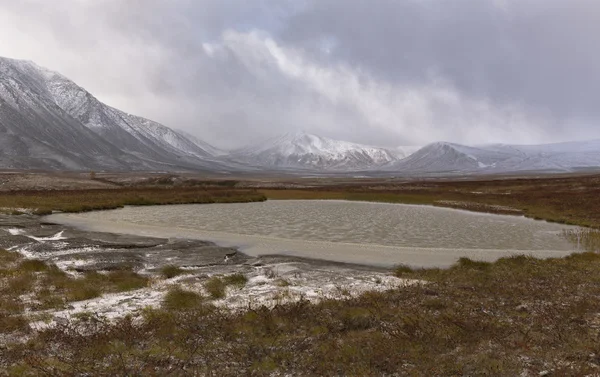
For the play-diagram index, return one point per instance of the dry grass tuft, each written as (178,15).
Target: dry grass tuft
(179,299)
(215,287)
(170,271)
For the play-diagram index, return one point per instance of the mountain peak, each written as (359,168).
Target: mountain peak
(26,67)
(302,150)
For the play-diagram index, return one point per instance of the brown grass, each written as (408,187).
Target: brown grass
(569,200)
(44,202)
(171,271)
(517,316)
(215,287)
(34,285)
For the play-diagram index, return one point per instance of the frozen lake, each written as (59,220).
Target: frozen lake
(354,232)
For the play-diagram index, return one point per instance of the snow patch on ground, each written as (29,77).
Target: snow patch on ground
(57,237)
(15,231)
(109,306)
(262,289)
(69,265)
(28,211)
(28,251)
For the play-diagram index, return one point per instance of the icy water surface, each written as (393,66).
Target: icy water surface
(355,232)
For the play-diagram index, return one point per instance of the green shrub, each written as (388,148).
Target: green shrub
(402,269)
(33,265)
(179,299)
(215,287)
(171,271)
(127,280)
(238,280)
(83,292)
(8,257)
(472,264)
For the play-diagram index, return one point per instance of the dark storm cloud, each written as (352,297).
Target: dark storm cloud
(384,72)
(539,52)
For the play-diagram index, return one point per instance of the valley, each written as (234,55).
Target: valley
(148,287)
(299,188)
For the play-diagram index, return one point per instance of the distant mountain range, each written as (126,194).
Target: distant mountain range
(444,158)
(48,122)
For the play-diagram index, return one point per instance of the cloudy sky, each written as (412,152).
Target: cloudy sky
(383,72)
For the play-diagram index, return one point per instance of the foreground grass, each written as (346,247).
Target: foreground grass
(569,200)
(518,316)
(34,286)
(44,202)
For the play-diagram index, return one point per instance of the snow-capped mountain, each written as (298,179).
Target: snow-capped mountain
(310,152)
(36,133)
(445,157)
(134,134)
(48,121)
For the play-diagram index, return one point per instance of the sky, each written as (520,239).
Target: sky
(380,72)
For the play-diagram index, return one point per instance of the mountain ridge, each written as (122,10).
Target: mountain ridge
(85,133)
(49,122)
(445,157)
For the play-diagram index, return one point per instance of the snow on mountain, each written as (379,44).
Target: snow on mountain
(445,157)
(36,133)
(135,134)
(52,122)
(311,152)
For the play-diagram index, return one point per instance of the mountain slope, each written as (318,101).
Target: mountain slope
(133,134)
(36,133)
(311,152)
(502,158)
(49,122)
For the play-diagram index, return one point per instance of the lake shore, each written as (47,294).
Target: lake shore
(375,234)
(272,279)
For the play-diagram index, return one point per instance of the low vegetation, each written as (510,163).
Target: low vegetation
(567,199)
(517,316)
(585,239)
(170,271)
(217,286)
(236,280)
(28,285)
(44,202)
(178,299)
